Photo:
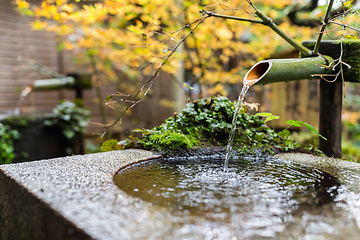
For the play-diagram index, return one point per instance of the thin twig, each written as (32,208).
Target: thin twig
(151,79)
(326,19)
(265,20)
(212,14)
(344,25)
(45,70)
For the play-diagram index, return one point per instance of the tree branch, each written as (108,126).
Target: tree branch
(294,10)
(344,25)
(265,20)
(212,14)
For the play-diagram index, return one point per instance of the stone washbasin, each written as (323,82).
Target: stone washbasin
(76,198)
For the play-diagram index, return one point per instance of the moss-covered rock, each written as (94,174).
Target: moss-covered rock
(207,123)
(210,120)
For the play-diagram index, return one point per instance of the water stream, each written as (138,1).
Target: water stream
(239,104)
(22,97)
(249,80)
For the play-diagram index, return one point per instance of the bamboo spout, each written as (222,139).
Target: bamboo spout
(53,84)
(80,81)
(285,70)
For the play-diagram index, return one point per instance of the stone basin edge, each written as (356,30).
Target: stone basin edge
(333,166)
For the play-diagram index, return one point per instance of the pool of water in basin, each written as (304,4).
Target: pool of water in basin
(255,199)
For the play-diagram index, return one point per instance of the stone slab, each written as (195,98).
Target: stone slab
(70,198)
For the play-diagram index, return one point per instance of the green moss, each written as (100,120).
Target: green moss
(169,140)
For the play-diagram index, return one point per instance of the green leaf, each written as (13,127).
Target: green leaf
(269,116)
(264,114)
(108,97)
(293,123)
(312,129)
(285,133)
(188,86)
(68,133)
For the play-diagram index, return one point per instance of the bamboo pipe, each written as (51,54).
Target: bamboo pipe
(53,84)
(289,69)
(79,81)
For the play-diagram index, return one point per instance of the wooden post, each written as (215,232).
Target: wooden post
(330,117)
(331,93)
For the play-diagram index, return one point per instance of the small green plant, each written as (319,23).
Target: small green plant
(7,137)
(70,117)
(269,117)
(291,144)
(113,144)
(211,118)
(310,127)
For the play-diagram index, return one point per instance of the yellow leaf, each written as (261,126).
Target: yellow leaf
(22,4)
(68,46)
(38,25)
(347,3)
(59,2)
(218,89)
(68,8)
(224,32)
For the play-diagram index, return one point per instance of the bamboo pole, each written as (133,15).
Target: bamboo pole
(285,70)
(75,81)
(269,22)
(53,84)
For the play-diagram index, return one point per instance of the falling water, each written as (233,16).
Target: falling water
(24,93)
(249,80)
(239,104)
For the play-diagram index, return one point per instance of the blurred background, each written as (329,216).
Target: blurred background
(122,44)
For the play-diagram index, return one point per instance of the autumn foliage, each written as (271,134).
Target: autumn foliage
(128,35)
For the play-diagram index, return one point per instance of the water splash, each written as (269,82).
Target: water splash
(23,94)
